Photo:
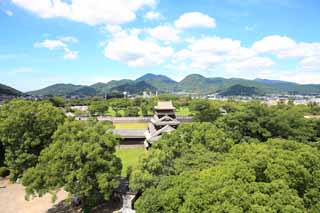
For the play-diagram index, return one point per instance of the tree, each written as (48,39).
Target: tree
(98,108)
(275,176)
(193,145)
(262,122)
(204,111)
(132,111)
(81,160)
(26,128)
(58,101)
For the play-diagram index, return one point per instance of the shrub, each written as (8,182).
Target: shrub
(4,171)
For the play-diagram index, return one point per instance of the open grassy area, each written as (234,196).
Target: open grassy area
(129,157)
(130,125)
(183,111)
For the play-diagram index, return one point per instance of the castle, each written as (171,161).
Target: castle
(163,121)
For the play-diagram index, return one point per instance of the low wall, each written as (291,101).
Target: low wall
(132,119)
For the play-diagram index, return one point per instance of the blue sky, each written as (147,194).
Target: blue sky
(43,42)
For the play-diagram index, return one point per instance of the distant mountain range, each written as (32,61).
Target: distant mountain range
(9,91)
(195,84)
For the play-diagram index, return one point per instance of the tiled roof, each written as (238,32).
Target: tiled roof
(164,105)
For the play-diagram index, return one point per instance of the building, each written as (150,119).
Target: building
(163,121)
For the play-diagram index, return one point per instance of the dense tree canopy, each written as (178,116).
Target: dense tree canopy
(98,107)
(193,145)
(80,160)
(26,128)
(204,110)
(261,122)
(277,176)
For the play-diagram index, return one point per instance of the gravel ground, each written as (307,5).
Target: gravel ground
(12,199)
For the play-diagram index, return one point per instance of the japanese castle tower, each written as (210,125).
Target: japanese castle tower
(163,121)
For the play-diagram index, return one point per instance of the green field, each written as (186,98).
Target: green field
(129,157)
(130,125)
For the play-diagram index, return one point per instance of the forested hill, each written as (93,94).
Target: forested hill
(194,83)
(9,91)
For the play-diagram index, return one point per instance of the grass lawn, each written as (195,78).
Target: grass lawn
(183,111)
(129,157)
(130,125)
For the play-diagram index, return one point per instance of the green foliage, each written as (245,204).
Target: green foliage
(26,128)
(262,122)
(276,176)
(193,145)
(4,171)
(132,111)
(98,108)
(2,153)
(58,101)
(81,160)
(204,110)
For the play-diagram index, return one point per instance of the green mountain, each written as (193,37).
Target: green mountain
(134,87)
(103,88)
(9,91)
(194,83)
(57,90)
(161,82)
(239,90)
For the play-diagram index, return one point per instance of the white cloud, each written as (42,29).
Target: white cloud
(91,12)
(164,33)
(208,52)
(215,53)
(311,63)
(60,44)
(195,20)
(214,44)
(302,49)
(300,77)
(70,55)
(50,44)
(251,64)
(127,47)
(8,12)
(69,39)
(153,15)
(273,44)
(285,47)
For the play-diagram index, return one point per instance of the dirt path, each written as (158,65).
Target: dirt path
(12,199)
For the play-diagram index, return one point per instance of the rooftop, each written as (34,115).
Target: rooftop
(164,105)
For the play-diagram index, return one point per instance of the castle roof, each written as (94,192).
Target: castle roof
(164,105)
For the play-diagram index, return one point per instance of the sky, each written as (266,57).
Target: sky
(43,42)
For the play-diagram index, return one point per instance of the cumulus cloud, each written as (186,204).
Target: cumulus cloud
(207,53)
(250,64)
(50,44)
(153,15)
(195,20)
(61,43)
(274,44)
(91,12)
(164,33)
(126,46)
